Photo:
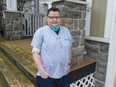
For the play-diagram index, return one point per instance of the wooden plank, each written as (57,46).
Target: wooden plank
(86,68)
(13,76)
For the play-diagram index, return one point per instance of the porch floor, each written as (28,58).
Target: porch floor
(19,51)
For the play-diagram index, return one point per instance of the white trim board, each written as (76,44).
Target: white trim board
(99,39)
(11,5)
(111,66)
(107,31)
(78,1)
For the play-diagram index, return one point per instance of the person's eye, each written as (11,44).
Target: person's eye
(52,17)
(57,17)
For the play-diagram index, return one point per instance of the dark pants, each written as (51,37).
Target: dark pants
(50,82)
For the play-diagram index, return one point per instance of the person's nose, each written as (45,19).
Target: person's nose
(54,18)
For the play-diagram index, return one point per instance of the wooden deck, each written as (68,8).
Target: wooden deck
(10,75)
(19,52)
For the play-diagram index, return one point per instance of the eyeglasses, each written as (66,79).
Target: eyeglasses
(52,17)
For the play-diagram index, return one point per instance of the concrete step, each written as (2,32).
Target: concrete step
(10,75)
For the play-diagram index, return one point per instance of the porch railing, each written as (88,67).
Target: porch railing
(31,22)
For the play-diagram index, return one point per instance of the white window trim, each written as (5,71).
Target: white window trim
(79,1)
(108,24)
(107,31)
(11,5)
(98,39)
(111,66)
(88,18)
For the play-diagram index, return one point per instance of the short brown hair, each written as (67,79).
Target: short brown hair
(52,9)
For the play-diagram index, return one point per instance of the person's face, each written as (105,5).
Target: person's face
(53,18)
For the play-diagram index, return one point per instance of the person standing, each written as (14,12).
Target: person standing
(51,50)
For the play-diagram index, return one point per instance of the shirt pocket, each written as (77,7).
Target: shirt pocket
(66,43)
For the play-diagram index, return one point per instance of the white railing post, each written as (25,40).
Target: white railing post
(32,22)
(88,18)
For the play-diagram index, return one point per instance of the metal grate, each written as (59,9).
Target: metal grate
(87,81)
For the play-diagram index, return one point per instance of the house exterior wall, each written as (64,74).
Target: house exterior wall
(99,52)
(13,25)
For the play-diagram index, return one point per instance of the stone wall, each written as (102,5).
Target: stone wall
(99,52)
(13,25)
(73,17)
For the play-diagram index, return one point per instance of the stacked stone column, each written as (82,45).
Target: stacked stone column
(73,17)
(13,25)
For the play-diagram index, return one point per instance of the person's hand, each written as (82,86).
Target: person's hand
(68,68)
(44,74)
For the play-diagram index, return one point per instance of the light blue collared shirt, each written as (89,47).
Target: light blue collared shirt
(54,49)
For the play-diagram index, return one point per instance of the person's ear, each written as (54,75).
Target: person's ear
(46,16)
